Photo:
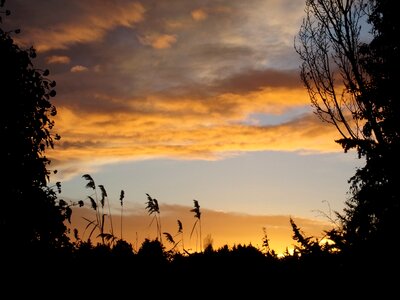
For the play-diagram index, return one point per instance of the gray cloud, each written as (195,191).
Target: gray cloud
(253,80)
(221,50)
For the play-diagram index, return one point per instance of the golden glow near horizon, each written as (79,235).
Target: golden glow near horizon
(187,81)
(221,227)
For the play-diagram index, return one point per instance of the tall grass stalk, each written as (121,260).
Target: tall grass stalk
(93,201)
(153,208)
(121,199)
(197,215)
(104,197)
(170,238)
(98,206)
(180,231)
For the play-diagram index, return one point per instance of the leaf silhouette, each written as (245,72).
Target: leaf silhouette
(68,214)
(152,205)
(88,225)
(180,227)
(196,204)
(90,184)
(121,197)
(196,209)
(169,237)
(106,236)
(103,194)
(89,222)
(194,226)
(76,236)
(93,203)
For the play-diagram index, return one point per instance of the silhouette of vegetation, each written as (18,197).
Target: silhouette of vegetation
(171,239)
(197,215)
(121,200)
(31,217)
(352,85)
(265,245)
(153,252)
(180,232)
(98,204)
(153,209)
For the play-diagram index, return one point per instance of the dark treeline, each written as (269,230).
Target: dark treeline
(351,84)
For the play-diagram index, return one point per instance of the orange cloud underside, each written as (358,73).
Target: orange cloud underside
(191,128)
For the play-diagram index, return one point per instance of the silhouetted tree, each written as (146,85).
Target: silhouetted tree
(351,80)
(308,245)
(372,213)
(30,216)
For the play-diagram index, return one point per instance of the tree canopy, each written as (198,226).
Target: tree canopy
(30,216)
(351,80)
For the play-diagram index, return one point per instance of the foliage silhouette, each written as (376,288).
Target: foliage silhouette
(241,270)
(98,205)
(352,85)
(31,218)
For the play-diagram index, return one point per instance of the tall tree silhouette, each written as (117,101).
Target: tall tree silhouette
(30,217)
(351,81)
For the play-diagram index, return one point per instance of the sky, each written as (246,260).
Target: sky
(187,100)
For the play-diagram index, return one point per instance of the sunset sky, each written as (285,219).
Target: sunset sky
(187,100)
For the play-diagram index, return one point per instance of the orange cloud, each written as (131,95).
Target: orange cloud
(199,14)
(224,228)
(207,126)
(58,59)
(189,129)
(78,68)
(158,41)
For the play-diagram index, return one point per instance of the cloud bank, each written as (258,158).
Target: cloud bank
(180,79)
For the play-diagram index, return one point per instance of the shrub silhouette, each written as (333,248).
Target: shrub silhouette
(31,218)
